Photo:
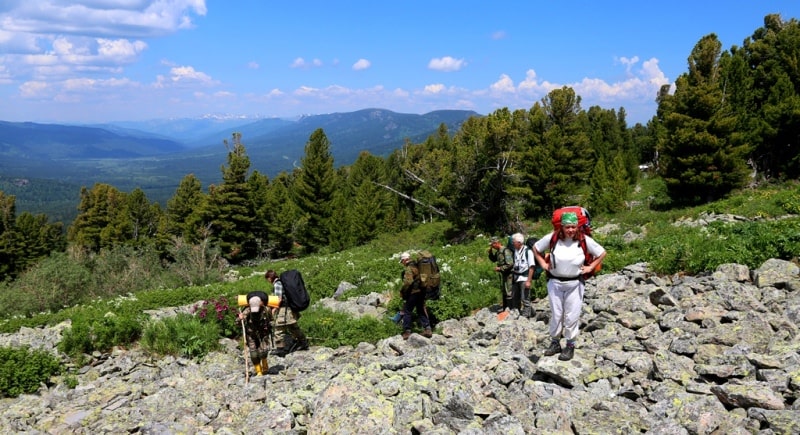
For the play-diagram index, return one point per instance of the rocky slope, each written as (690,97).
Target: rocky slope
(717,354)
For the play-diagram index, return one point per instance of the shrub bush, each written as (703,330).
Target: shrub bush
(182,335)
(23,370)
(90,333)
(218,310)
(324,327)
(52,284)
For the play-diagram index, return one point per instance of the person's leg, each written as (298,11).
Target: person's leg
(572,305)
(525,298)
(554,296)
(516,295)
(300,340)
(506,283)
(407,315)
(422,312)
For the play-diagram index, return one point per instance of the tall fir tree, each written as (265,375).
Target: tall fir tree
(184,210)
(314,190)
(230,210)
(99,224)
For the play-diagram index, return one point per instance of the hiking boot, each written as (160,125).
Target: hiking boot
(567,353)
(279,351)
(406,334)
(427,333)
(555,347)
(303,345)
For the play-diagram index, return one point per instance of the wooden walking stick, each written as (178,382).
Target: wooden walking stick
(246,351)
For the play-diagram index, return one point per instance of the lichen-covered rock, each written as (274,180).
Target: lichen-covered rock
(658,355)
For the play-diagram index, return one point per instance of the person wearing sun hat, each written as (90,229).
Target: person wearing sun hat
(258,329)
(565,285)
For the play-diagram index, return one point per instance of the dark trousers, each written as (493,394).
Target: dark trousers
(415,301)
(517,293)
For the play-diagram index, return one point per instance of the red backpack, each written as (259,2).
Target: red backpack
(584,229)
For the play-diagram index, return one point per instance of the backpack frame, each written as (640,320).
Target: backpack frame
(584,229)
(429,276)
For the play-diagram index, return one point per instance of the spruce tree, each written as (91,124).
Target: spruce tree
(230,211)
(313,191)
(184,210)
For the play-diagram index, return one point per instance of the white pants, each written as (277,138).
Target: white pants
(566,302)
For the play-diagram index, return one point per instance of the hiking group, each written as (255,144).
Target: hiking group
(568,256)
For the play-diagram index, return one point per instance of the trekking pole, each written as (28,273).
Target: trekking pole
(246,354)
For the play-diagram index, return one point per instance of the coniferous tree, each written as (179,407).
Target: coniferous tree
(702,159)
(9,240)
(313,191)
(259,191)
(230,210)
(764,80)
(566,143)
(282,216)
(184,210)
(609,186)
(370,202)
(97,225)
(141,218)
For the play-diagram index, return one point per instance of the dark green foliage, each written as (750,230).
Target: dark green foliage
(22,370)
(52,284)
(313,192)
(230,210)
(99,212)
(282,217)
(88,334)
(183,335)
(333,329)
(25,239)
(184,211)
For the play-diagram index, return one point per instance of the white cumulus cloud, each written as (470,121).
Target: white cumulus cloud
(446,64)
(361,64)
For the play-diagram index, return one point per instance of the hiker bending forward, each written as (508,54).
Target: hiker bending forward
(414,297)
(565,284)
(285,320)
(257,324)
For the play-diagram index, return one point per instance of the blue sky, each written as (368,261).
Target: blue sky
(125,60)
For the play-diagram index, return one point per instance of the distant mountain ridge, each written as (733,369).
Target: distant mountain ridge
(152,156)
(57,142)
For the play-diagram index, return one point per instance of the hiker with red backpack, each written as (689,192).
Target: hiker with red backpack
(569,255)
